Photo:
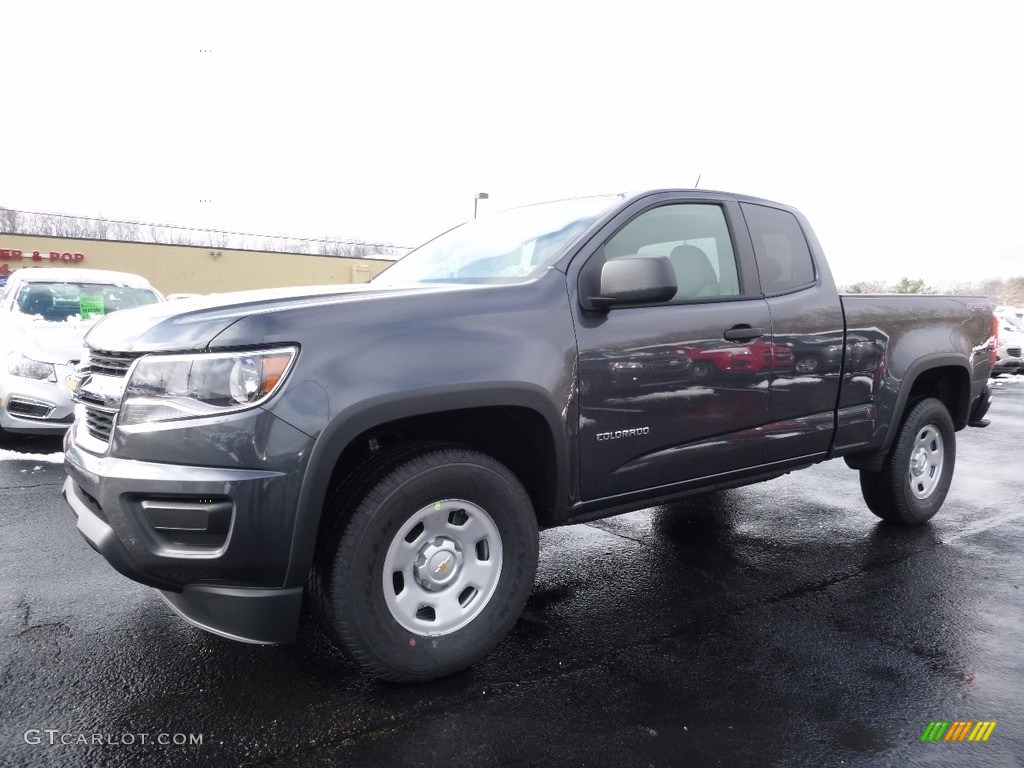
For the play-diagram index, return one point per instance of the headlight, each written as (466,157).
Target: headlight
(19,365)
(166,387)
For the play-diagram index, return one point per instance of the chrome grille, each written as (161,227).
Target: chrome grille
(99,417)
(99,422)
(111,363)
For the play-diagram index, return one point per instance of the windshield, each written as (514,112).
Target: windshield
(502,247)
(1016,323)
(58,302)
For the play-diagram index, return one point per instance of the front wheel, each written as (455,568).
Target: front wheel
(915,477)
(702,370)
(434,566)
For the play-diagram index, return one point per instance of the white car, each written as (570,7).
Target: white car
(44,316)
(1009,358)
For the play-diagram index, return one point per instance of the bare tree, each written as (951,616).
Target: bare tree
(1012,292)
(100,229)
(10,221)
(80,227)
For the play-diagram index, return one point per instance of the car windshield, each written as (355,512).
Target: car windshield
(1016,323)
(501,247)
(60,302)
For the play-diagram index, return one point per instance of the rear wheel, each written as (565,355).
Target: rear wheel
(702,371)
(915,477)
(807,364)
(434,566)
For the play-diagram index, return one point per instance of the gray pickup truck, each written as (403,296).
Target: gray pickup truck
(388,451)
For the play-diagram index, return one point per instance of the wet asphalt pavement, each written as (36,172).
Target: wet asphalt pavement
(778,624)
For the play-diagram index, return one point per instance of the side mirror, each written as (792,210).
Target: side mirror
(635,279)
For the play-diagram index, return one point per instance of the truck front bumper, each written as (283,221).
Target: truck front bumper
(214,541)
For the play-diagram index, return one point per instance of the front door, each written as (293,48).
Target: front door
(675,391)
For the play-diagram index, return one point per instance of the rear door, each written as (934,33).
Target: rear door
(808,347)
(664,395)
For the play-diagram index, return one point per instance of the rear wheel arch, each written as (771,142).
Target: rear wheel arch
(944,378)
(912,483)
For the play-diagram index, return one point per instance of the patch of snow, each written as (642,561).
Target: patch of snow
(50,458)
(798,380)
(673,395)
(1002,381)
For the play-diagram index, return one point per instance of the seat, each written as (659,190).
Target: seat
(694,273)
(37,302)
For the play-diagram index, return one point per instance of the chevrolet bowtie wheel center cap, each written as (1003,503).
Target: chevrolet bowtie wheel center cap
(437,563)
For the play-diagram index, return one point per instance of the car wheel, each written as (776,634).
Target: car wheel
(702,371)
(808,364)
(915,477)
(434,565)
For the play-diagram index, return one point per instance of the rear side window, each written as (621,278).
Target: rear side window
(783,258)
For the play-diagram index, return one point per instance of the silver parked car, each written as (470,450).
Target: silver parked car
(44,316)
(1010,351)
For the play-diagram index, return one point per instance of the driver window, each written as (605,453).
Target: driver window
(694,237)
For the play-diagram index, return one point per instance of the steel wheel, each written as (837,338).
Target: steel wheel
(428,562)
(915,476)
(442,567)
(926,457)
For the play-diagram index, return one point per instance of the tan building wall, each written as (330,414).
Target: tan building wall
(184,268)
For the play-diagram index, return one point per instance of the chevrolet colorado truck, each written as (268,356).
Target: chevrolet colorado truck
(388,451)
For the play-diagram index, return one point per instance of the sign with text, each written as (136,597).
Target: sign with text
(91,305)
(8,255)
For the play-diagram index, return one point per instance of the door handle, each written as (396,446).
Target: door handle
(743,333)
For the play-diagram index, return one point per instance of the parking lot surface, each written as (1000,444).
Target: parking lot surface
(779,624)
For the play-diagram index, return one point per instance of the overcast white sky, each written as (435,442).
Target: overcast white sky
(896,127)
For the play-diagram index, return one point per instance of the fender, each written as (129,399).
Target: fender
(358,418)
(910,378)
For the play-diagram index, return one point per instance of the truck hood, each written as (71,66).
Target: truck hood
(193,323)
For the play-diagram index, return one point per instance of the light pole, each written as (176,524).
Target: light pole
(479,196)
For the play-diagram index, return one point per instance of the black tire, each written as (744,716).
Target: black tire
(445,506)
(702,371)
(915,477)
(807,364)
(339,508)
